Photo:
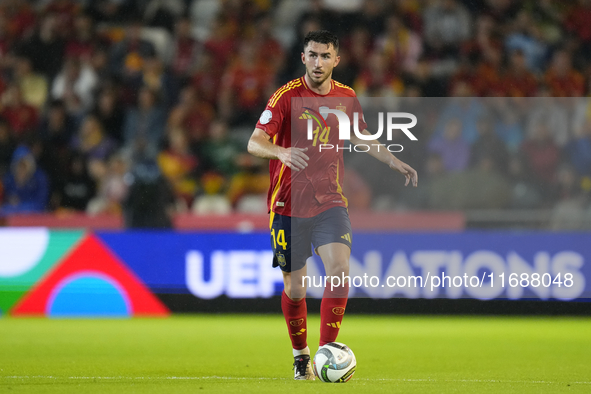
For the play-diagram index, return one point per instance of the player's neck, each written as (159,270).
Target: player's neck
(322,89)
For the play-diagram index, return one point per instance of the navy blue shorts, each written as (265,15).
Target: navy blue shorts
(292,238)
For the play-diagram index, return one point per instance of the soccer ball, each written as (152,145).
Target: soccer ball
(334,363)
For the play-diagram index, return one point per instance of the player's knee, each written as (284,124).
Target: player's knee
(294,290)
(337,268)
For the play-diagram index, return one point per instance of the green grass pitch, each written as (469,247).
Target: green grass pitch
(252,354)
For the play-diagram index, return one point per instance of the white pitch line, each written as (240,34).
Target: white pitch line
(263,378)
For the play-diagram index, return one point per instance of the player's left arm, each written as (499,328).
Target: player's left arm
(380,152)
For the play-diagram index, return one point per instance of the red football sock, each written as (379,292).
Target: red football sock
(295,314)
(332,309)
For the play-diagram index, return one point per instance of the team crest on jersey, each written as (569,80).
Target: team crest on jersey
(342,108)
(296,323)
(281,259)
(338,310)
(266,117)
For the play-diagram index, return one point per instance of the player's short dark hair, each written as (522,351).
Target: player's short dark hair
(322,37)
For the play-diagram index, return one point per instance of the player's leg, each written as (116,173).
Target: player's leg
(292,261)
(335,257)
(332,240)
(295,311)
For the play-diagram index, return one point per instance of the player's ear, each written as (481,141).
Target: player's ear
(303,58)
(337,61)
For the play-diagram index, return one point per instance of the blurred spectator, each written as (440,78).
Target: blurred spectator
(185,49)
(578,150)
(359,45)
(372,16)
(150,201)
(454,151)
(220,153)
(426,198)
(6,147)
(127,56)
(163,13)
(345,73)
(526,37)
(5,41)
(110,10)
(179,165)
(212,201)
(223,155)
(293,69)
(207,78)
(268,47)
(526,193)
(109,177)
(378,79)
(562,79)
(541,155)
(21,116)
(518,80)
(57,127)
(77,189)
(144,125)
(75,85)
(32,85)
(508,125)
(484,187)
(446,24)
(26,188)
(554,113)
(110,113)
(92,142)
(401,46)
(45,48)
(576,22)
(221,43)
(489,146)
(65,12)
(488,78)
(155,77)
(246,86)
(84,42)
(20,17)
(467,109)
(192,114)
(54,142)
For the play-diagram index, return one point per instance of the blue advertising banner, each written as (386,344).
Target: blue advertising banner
(480,265)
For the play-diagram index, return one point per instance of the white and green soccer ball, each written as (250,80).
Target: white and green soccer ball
(334,363)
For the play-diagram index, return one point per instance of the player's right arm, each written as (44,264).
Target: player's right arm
(260,145)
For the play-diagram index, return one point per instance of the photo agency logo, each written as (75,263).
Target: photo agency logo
(318,130)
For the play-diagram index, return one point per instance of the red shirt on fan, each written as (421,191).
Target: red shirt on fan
(317,188)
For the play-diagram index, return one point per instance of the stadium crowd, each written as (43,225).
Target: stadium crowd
(96,96)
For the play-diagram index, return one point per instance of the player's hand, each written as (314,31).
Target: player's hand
(294,158)
(406,170)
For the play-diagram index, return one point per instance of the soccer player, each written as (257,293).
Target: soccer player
(305,198)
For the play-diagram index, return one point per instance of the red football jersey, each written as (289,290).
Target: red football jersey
(293,119)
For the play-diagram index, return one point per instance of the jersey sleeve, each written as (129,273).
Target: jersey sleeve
(274,115)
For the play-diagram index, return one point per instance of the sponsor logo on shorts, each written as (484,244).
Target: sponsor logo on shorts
(296,323)
(347,237)
(339,310)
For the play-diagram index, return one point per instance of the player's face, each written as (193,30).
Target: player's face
(320,60)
